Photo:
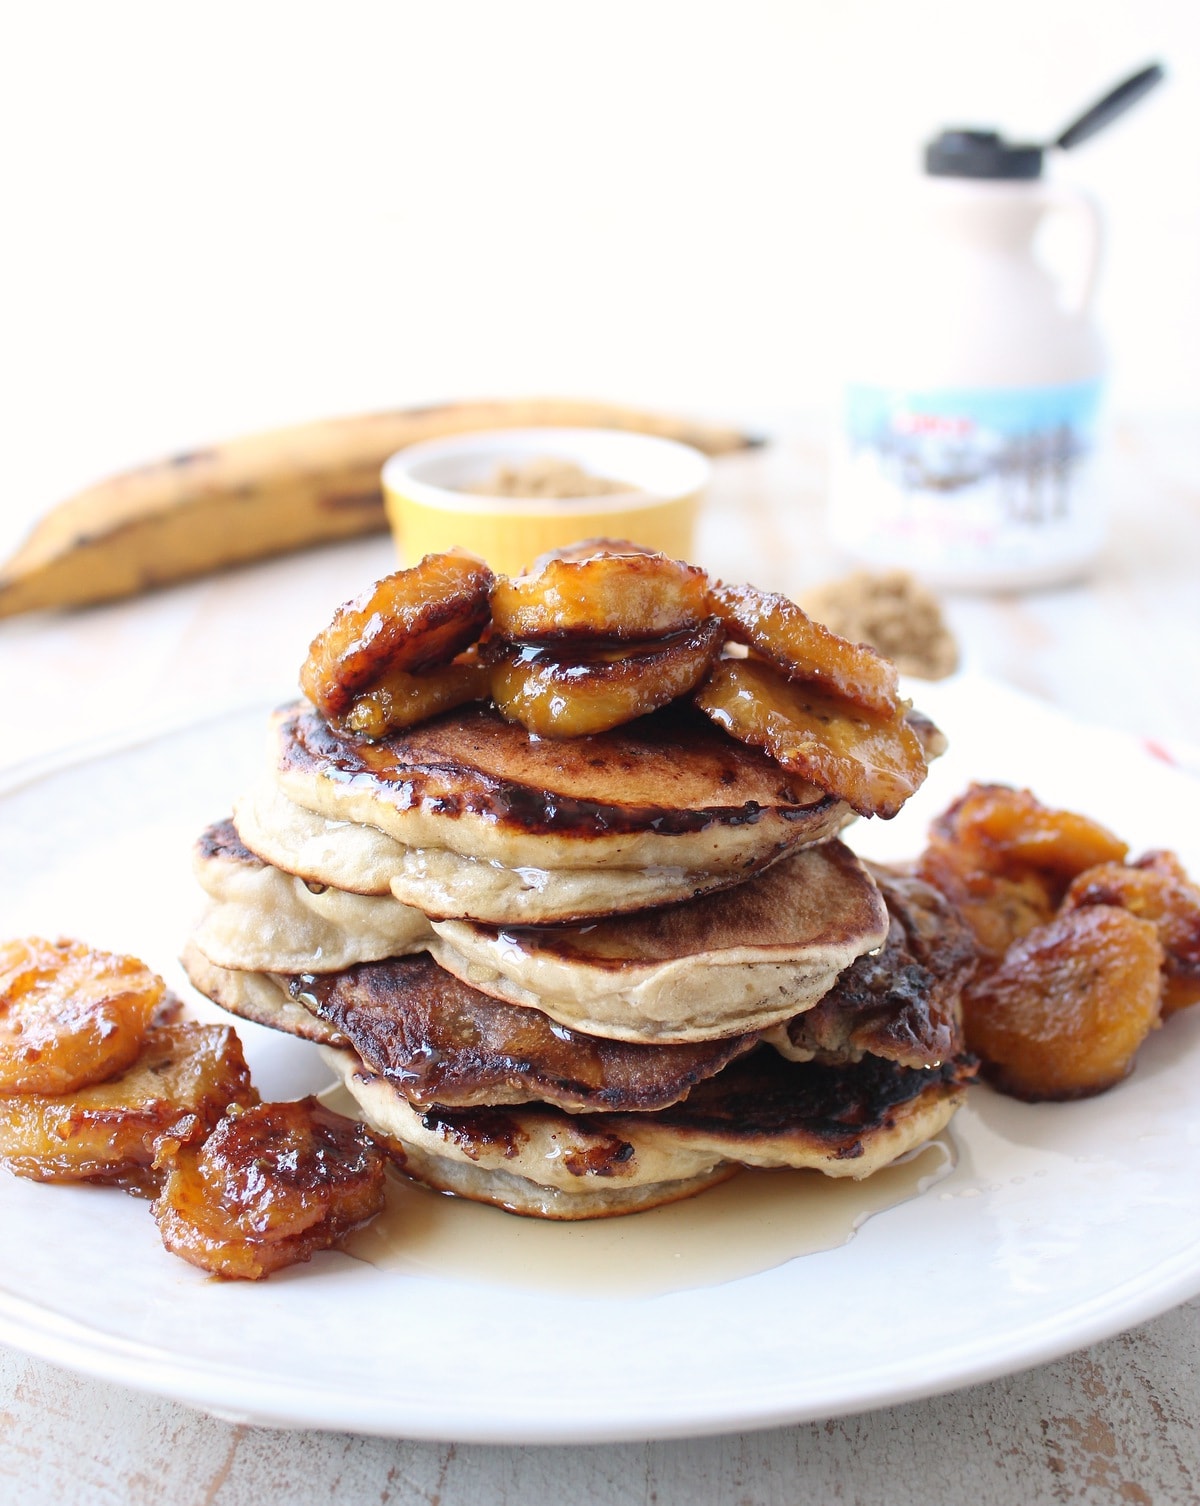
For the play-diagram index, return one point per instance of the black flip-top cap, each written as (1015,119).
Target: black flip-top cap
(980,154)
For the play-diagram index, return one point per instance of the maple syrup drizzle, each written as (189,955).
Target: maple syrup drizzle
(753,1223)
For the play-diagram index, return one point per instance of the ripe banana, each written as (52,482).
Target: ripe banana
(266,494)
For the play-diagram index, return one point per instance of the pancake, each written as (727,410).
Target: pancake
(518,1194)
(261,918)
(744,959)
(442,1042)
(900,1002)
(446,885)
(761,1111)
(260,997)
(442,883)
(356,859)
(476,800)
(845,1120)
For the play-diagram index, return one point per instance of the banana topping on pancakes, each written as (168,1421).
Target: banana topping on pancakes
(550,869)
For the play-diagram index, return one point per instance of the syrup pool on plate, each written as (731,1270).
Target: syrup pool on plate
(754,1222)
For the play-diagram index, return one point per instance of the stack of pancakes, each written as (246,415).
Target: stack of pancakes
(585,976)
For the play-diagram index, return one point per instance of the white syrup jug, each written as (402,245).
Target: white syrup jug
(977,374)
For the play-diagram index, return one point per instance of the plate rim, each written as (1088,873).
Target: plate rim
(195,1382)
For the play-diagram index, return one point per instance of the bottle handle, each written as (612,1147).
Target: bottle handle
(1083,209)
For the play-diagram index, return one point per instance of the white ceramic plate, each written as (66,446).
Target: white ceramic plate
(1060,1224)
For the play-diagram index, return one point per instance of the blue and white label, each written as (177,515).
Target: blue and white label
(962,481)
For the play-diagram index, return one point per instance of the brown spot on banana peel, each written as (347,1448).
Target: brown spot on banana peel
(190,457)
(354,501)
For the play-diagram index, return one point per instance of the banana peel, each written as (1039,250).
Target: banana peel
(267,494)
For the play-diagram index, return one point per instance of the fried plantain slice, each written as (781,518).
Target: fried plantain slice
(780,631)
(271,1186)
(402,699)
(410,621)
(1062,1016)
(1155,888)
(70,1015)
(872,762)
(616,592)
(1005,860)
(1160,860)
(176,1090)
(600,686)
(1009,831)
(999,908)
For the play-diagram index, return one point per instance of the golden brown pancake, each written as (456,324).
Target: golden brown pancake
(517,1194)
(442,1039)
(260,997)
(363,860)
(900,1002)
(357,859)
(846,1120)
(442,1042)
(261,918)
(761,1111)
(744,959)
(655,811)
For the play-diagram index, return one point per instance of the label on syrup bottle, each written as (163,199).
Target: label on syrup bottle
(970,486)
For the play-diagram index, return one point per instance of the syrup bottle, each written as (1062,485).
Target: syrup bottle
(971,415)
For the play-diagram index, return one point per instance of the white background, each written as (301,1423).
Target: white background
(225,216)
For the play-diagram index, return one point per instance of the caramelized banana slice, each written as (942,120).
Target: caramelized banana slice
(175,1091)
(625,596)
(1155,888)
(69,1015)
(601,687)
(402,699)
(410,621)
(269,1187)
(1005,860)
(1159,860)
(1000,908)
(872,762)
(1065,1012)
(1006,831)
(779,630)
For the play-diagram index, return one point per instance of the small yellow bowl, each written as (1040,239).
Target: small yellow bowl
(431,511)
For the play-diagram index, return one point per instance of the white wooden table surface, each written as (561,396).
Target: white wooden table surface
(1113,1423)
